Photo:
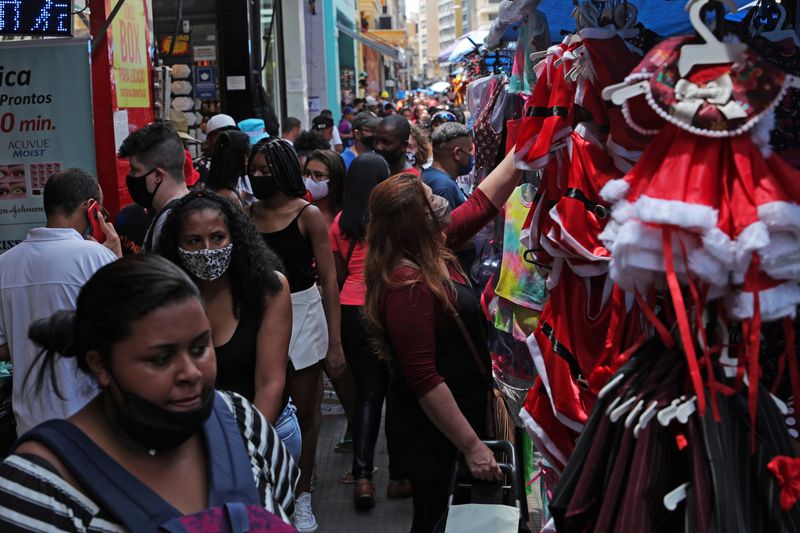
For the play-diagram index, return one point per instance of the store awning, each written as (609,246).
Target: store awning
(463,45)
(384,48)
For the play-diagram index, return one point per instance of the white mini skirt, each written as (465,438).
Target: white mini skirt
(309,342)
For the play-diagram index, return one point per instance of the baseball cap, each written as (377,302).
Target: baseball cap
(220,122)
(321,122)
(348,110)
(254,128)
(181,125)
(365,120)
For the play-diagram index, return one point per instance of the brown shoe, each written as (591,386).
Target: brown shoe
(398,489)
(364,494)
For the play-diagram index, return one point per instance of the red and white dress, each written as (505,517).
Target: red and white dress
(711,184)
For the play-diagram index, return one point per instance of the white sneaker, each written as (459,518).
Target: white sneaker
(304,519)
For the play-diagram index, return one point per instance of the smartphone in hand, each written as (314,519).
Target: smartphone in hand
(95,229)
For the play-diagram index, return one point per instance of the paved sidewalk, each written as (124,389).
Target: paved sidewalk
(332,501)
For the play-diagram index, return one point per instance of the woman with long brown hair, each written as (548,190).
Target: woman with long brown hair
(416,294)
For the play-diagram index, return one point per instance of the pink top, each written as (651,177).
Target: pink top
(354,290)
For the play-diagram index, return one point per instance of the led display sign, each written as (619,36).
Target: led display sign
(36,17)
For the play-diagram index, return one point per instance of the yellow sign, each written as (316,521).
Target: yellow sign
(131,62)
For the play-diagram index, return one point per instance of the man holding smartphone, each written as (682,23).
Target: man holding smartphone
(43,274)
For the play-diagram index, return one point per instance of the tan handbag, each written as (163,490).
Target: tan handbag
(499,424)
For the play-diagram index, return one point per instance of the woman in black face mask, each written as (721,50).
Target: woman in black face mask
(296,231)
(147,448)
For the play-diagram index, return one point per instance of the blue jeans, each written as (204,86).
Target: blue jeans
(288,429)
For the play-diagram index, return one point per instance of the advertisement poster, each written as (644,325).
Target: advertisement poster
(205,83)
(130,60)
(45,126)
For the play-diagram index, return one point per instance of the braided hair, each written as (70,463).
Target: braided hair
(283,164)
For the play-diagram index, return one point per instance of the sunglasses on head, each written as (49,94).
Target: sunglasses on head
(443,116)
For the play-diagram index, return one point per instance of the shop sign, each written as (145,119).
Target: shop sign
(205,53)
(205,83)
(45,126)
(181,45)
(131,61)
(36,17)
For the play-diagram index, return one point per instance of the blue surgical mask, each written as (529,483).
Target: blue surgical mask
(463,170)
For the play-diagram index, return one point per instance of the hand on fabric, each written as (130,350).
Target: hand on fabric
(334,360)
(482,464)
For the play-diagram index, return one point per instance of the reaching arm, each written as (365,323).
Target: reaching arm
(272,352)
(318,232)
(500,183)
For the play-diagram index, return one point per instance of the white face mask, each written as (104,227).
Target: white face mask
(207,264)
(318,189)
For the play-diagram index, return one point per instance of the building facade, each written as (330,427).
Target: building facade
(485,13)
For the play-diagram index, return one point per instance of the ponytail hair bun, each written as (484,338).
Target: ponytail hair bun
(56,333)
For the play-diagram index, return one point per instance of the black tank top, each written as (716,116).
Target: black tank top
(236,359)
(296,252)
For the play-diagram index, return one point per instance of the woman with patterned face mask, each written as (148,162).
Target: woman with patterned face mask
(247,299)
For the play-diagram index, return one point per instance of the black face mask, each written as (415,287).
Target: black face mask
(392,158)
(137,188)
(264,186)
(156,428)
(369,142)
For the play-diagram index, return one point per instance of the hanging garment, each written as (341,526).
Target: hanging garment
(580,214)
(629,458)
(534,35)
(548,112)
(710,182)
(488,140)
(785,136)
(624,143)
(519,281)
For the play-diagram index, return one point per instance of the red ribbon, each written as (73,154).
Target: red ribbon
(753,344)
(787,472)
(683,321)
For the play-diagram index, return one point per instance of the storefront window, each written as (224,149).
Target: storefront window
(270,52)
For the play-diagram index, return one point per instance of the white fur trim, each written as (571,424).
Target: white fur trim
(781,257)
(775,303)
(623,211)
(676,213)
(707,267)
(615,190)
(780,215)
(720,245)
(542,441)
(761,133)
(751,239)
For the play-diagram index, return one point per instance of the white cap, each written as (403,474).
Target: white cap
(218,122)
